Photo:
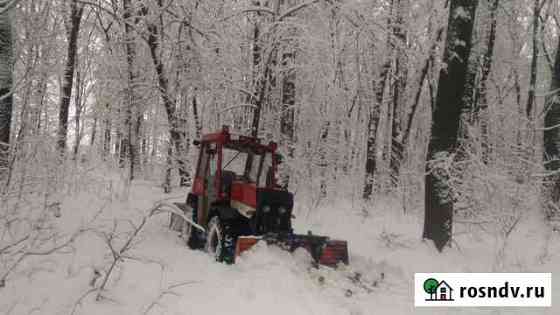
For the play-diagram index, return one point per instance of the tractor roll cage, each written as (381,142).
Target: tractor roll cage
(238,142)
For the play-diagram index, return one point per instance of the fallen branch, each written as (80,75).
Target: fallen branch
(80,300)
(167,291)
(120,254)
(29,253)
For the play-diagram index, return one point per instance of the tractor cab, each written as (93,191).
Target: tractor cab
(232,168)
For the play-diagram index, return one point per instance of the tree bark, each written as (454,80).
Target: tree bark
(399,90)
(446,120)
(288,101)
(72,30)
(287,118)
(93,131)
(198,125)
(552,139)
(132,115)
(534,60)
(481,99)
(77,116)
(6,83)
(373,117)
(261,88)
(107,131)
(257,59)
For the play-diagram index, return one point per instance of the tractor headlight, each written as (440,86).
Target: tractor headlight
(282,210)
(266,209)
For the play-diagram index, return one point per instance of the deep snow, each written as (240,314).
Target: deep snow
(162,276)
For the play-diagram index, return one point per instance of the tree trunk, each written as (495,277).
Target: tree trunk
(373,117)
(93,131)
(446,120)
(77,116)
(72,30)
(423,78)
(399,89)
(263,70)
(198,125)
(107,131)
(132,115)
(552,139)
(287,118)
(6,82)
(168,168)
(257,59)
(176,133)
(371,149)
(481,99)
(262,85)
(534,60)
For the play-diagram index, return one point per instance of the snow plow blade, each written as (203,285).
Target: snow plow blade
(324,251)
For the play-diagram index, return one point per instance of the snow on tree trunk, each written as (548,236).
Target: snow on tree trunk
(481,97)
(445,121)
(72,30)
(374,117)
(399,89)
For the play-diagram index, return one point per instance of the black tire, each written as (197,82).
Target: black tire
(220,242)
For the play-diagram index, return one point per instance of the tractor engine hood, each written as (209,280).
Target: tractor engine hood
(274,211)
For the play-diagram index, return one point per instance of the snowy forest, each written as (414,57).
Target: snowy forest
(426,133)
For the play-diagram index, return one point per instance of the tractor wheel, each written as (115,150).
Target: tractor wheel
(220,242)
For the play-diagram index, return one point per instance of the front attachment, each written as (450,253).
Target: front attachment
(324,251)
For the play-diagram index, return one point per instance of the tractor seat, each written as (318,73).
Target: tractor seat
(227,179)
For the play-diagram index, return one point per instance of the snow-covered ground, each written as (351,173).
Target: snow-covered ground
(161,276)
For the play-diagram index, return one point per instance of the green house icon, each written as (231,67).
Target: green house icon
(438,290)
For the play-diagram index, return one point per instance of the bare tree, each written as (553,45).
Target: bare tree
(445,121)
(72,24)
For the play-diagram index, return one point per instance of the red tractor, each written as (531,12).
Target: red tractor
(235,202)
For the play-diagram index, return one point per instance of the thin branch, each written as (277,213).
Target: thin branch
(255,9)
(7,5)
(167,291)
(2,250)
(296,8)
(237,106)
